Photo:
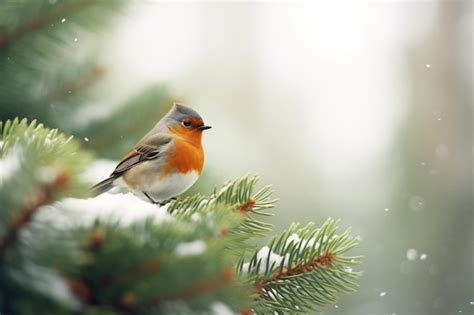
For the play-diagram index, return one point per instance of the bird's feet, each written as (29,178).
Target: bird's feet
(153,201)
(157,202)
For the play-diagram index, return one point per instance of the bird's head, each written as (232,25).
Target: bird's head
(185,122)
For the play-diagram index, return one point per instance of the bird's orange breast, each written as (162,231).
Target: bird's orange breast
(184,157)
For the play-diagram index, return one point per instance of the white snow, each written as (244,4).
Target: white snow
(63,20)
(386,209)
(219,308)
(293,238)
(428,65)
(190,248)
(123,209)
(75,39)
(195,216)
(275,258)
(412,254)
(46,174)
(306,243)
(48,282)
(86,139)
(263,255)
(423,256)
(383,293)
(99,170)
(10,164)
(273,294)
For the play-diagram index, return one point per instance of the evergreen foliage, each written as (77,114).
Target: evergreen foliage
(37,40)
(195,255)
(50,72)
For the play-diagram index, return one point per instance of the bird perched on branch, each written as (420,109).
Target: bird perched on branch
(165,162)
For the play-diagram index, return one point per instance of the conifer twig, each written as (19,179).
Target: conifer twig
(265,283)
(43,197)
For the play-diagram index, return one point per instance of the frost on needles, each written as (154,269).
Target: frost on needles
(63,251)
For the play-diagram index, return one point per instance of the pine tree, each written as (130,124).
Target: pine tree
(117,254)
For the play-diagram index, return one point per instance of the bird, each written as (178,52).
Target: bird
(166,162)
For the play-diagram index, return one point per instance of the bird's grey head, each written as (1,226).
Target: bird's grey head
(180,115)
(179,112)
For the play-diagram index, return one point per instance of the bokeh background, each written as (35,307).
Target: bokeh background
(355,110)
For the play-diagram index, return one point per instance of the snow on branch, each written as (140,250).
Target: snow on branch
(122,208)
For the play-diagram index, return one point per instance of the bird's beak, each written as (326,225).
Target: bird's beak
(204,127)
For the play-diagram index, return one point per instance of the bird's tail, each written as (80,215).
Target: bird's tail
(103,186)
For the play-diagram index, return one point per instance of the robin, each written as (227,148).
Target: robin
(165,162)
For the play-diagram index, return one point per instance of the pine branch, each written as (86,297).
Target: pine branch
(302,269)
(24,216)
(263,284)
(239,196)
(141,281)
(40,158)
(38,166)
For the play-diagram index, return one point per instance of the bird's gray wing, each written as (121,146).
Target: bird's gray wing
(148,148)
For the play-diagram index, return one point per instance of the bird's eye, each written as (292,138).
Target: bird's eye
(186,123)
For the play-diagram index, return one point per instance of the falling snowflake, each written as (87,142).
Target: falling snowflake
(412,254)
(423,256)
(383,293)
(86,139)
(63,20)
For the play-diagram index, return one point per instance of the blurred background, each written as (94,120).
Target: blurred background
(355,110)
